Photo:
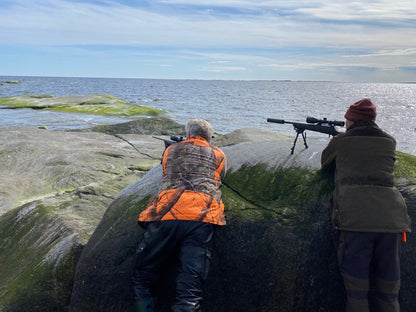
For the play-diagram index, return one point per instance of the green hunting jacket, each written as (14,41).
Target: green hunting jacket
(365,198)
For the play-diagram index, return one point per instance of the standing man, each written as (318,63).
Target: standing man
(368,210)
(180,220)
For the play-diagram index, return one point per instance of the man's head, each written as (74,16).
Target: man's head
(363,110)
(199,127)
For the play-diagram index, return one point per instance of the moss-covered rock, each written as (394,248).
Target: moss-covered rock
(55,188)
(121,236)
(38,255)
(11,81)
(96,104)
(277,252)
(154,126)
(39,162)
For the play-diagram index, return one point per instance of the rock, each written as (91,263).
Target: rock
(154,126)
(277,252)
(97,104)
(55,188)
(10,81)
(37,162)
(71,200)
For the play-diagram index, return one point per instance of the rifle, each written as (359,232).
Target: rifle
(173,139)
(313,124)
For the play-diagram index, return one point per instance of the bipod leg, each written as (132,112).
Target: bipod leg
(294,142)
(304,139)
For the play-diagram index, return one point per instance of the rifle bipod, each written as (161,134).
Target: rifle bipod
(299,131)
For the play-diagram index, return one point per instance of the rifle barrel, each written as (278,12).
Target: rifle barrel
(279,121)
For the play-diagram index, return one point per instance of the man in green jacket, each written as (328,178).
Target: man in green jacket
(368,210)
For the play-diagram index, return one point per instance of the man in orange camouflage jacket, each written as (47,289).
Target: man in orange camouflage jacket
(181,219)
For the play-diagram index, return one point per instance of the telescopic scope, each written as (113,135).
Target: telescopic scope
(324,121)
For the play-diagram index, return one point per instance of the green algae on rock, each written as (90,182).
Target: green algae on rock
(143,125)
(38,163)
(56,186)
(96,104)
(38,256)
(405,167)
(11,81)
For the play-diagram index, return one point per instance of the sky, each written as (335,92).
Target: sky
(354,41)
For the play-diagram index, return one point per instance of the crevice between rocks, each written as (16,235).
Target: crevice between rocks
(132,145)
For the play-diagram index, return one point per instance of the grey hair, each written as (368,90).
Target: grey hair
(199,127)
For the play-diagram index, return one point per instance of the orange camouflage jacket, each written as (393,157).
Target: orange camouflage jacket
(190,187)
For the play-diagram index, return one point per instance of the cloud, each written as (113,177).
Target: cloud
(392,52)
(267,24)
(243,34)
(219,69)
(362,11)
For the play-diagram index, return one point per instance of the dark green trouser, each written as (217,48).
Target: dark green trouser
(190,242)
(361,253)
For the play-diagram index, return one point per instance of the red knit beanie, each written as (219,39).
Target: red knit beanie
(361,110)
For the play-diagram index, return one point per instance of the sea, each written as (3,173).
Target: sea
(227,104)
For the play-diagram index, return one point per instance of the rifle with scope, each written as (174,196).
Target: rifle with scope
(313,124)
(173,139)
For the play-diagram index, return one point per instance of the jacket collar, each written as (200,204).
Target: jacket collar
(363,123)
(199,139)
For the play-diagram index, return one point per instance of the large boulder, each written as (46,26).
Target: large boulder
(41,163)
(277,252)
(55,188)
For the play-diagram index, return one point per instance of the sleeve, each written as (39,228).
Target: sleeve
(165,158)
(224,168)
(221,164)
(328,157)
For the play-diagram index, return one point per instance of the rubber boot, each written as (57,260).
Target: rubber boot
(145,305)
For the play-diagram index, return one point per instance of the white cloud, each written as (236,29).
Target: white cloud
(220,69)
(391,52)
(363,11)
(324,33)
(62,22)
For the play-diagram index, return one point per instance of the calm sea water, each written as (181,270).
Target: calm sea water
(227,105)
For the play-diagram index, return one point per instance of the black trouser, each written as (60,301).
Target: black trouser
(359,254)
(190,242)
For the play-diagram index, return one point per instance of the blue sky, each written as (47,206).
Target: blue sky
(363,40)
